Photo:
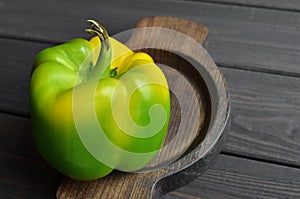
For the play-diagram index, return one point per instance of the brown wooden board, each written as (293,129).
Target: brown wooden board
(242,37)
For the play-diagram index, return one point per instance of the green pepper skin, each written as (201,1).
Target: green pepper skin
(58,71)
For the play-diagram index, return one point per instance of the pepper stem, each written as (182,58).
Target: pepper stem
(102,68)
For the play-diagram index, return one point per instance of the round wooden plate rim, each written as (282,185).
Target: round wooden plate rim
(222,106)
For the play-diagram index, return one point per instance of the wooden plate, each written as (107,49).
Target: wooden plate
(199,113)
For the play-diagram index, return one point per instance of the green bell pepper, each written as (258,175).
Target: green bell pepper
(97,106)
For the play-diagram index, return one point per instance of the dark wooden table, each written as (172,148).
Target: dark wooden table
(256,45)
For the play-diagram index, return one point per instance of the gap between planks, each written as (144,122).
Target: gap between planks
(241,4)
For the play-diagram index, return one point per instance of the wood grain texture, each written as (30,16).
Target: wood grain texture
(244,37)
(15,69)
(27,176)
(233,178)
(250,38)
(23,173)
(287,5)
(265,118)
(191,29)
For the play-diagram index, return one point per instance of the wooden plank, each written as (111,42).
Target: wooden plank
(243,37)
(23,174)
(16,138)
(232,177)
(265,116)
(265,119)
(288,5)
(24,179)
(26,176)
(261,123)
(15,70)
